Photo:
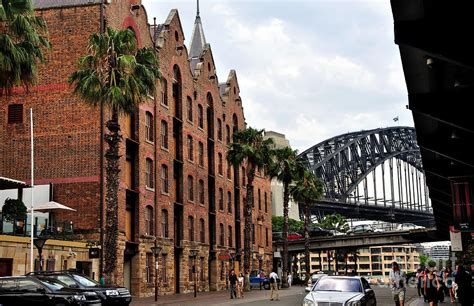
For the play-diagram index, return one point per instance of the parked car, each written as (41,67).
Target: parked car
(341,290)
(316,231)
(294,236)
(362,228)
(407,226)
(111,295)
(30,291)
(314,279)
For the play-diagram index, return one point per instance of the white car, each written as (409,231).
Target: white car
(341,290)
(407,226)
(313,280)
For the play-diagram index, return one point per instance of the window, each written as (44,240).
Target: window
(149,267)
(190,268)
(265,201)
(243,177)
(191,228)
(201,154)
(164,92)
(221,199)
(201,192)
(164,134)
(219,129)
(253,233)
(201,268)
(50,263)
(222,234)
(164,223)
(229,236)
(219,163)
(189,108)
(266,236)
(190,188)
(229,201)
(149,174)
(164,179)
(259,200)
(190,148)
(15,113)
(149,128)
(164,276)
(202,231)
(149,221)
(227,134)
(229,170)
(200,116)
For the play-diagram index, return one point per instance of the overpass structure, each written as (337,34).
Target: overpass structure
(360,241)
(374,174)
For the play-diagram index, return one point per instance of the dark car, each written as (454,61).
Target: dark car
(30,291)
(108,295)
(316,231)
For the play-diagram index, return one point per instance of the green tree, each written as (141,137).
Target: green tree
(423,260)
(121,76)
(293,225)
(22,38)
(335,222)
(307,189)
(286,168)
(250,147)
(13,210)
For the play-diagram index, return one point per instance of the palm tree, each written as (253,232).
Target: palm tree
(22,37)
(119,75)
(307,189)
(250,147)
(286,168)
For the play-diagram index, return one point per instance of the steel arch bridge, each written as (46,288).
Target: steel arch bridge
(357,184)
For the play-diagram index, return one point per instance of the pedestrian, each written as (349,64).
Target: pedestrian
(397,283)
(233,284)
(419,275)
(289,279)
(274,287)
(448,280)
(463,281)
(432,287)
(240,285)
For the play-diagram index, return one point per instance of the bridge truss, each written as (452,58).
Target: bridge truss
(375,174)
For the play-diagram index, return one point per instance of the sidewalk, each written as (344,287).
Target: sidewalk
(213,298)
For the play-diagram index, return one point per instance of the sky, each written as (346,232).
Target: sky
(310,69)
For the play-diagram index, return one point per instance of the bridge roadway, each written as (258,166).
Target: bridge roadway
(360,240)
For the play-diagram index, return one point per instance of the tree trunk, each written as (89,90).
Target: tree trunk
(113,139)
(286,199)
(248,222)
(307,218)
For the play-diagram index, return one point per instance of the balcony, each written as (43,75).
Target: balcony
(59,230)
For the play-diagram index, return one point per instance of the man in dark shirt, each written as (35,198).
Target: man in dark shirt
(463,281)
(233,284)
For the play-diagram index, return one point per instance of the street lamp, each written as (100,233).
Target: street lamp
(39,244)
(156,251)
(193,254)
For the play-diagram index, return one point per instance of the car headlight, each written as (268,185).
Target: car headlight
(79,297)
(111,292)
(354,303)
(308,302)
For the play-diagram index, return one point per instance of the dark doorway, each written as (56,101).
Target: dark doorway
(6,266)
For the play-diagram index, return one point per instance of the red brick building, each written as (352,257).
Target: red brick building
(175,182)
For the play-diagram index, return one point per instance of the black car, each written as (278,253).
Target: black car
(316,231)
(108,295)
(30,291)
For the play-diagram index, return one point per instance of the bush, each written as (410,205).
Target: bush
(13,210)
(431,264)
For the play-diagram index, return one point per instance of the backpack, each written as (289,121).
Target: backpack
(272,280)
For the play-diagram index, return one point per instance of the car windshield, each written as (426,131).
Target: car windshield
(85,281)
(338,284)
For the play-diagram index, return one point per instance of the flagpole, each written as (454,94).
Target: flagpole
(32,220)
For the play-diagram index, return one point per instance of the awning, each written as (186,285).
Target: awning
(7,183)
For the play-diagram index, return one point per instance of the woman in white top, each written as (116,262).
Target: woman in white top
(240,286)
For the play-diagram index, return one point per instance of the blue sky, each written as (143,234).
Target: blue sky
(308,69)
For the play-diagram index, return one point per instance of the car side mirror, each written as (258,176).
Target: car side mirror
(368,290)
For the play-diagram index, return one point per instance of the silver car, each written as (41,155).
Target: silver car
(351,291)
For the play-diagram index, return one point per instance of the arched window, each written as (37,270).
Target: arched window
(201,192)
(149,174)
(229,235)
(164,92)
(189,108)
(259,200)
(190,148)
(219,163)
(164,134)
(229,202)
(265,200)
(221,199)
(243,177)
(177,88)
(149,221)
(149,127)
(227,134)
(221,234)
(164,179)
(229,170)
(191,228)
(235,123)
(202,231)
(200,116)
(164,223)
(201,154)
(190,188)
(219,129)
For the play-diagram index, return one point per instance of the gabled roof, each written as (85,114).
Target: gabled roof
(41,4)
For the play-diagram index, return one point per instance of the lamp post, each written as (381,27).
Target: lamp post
(193,254)
(39,244)
(156,251)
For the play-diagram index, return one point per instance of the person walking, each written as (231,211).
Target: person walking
(274,287)
(240,286)
(448,281)
(397,284)
(289,279)
(419,275)
(233,284)
(463,281)
(431,287)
